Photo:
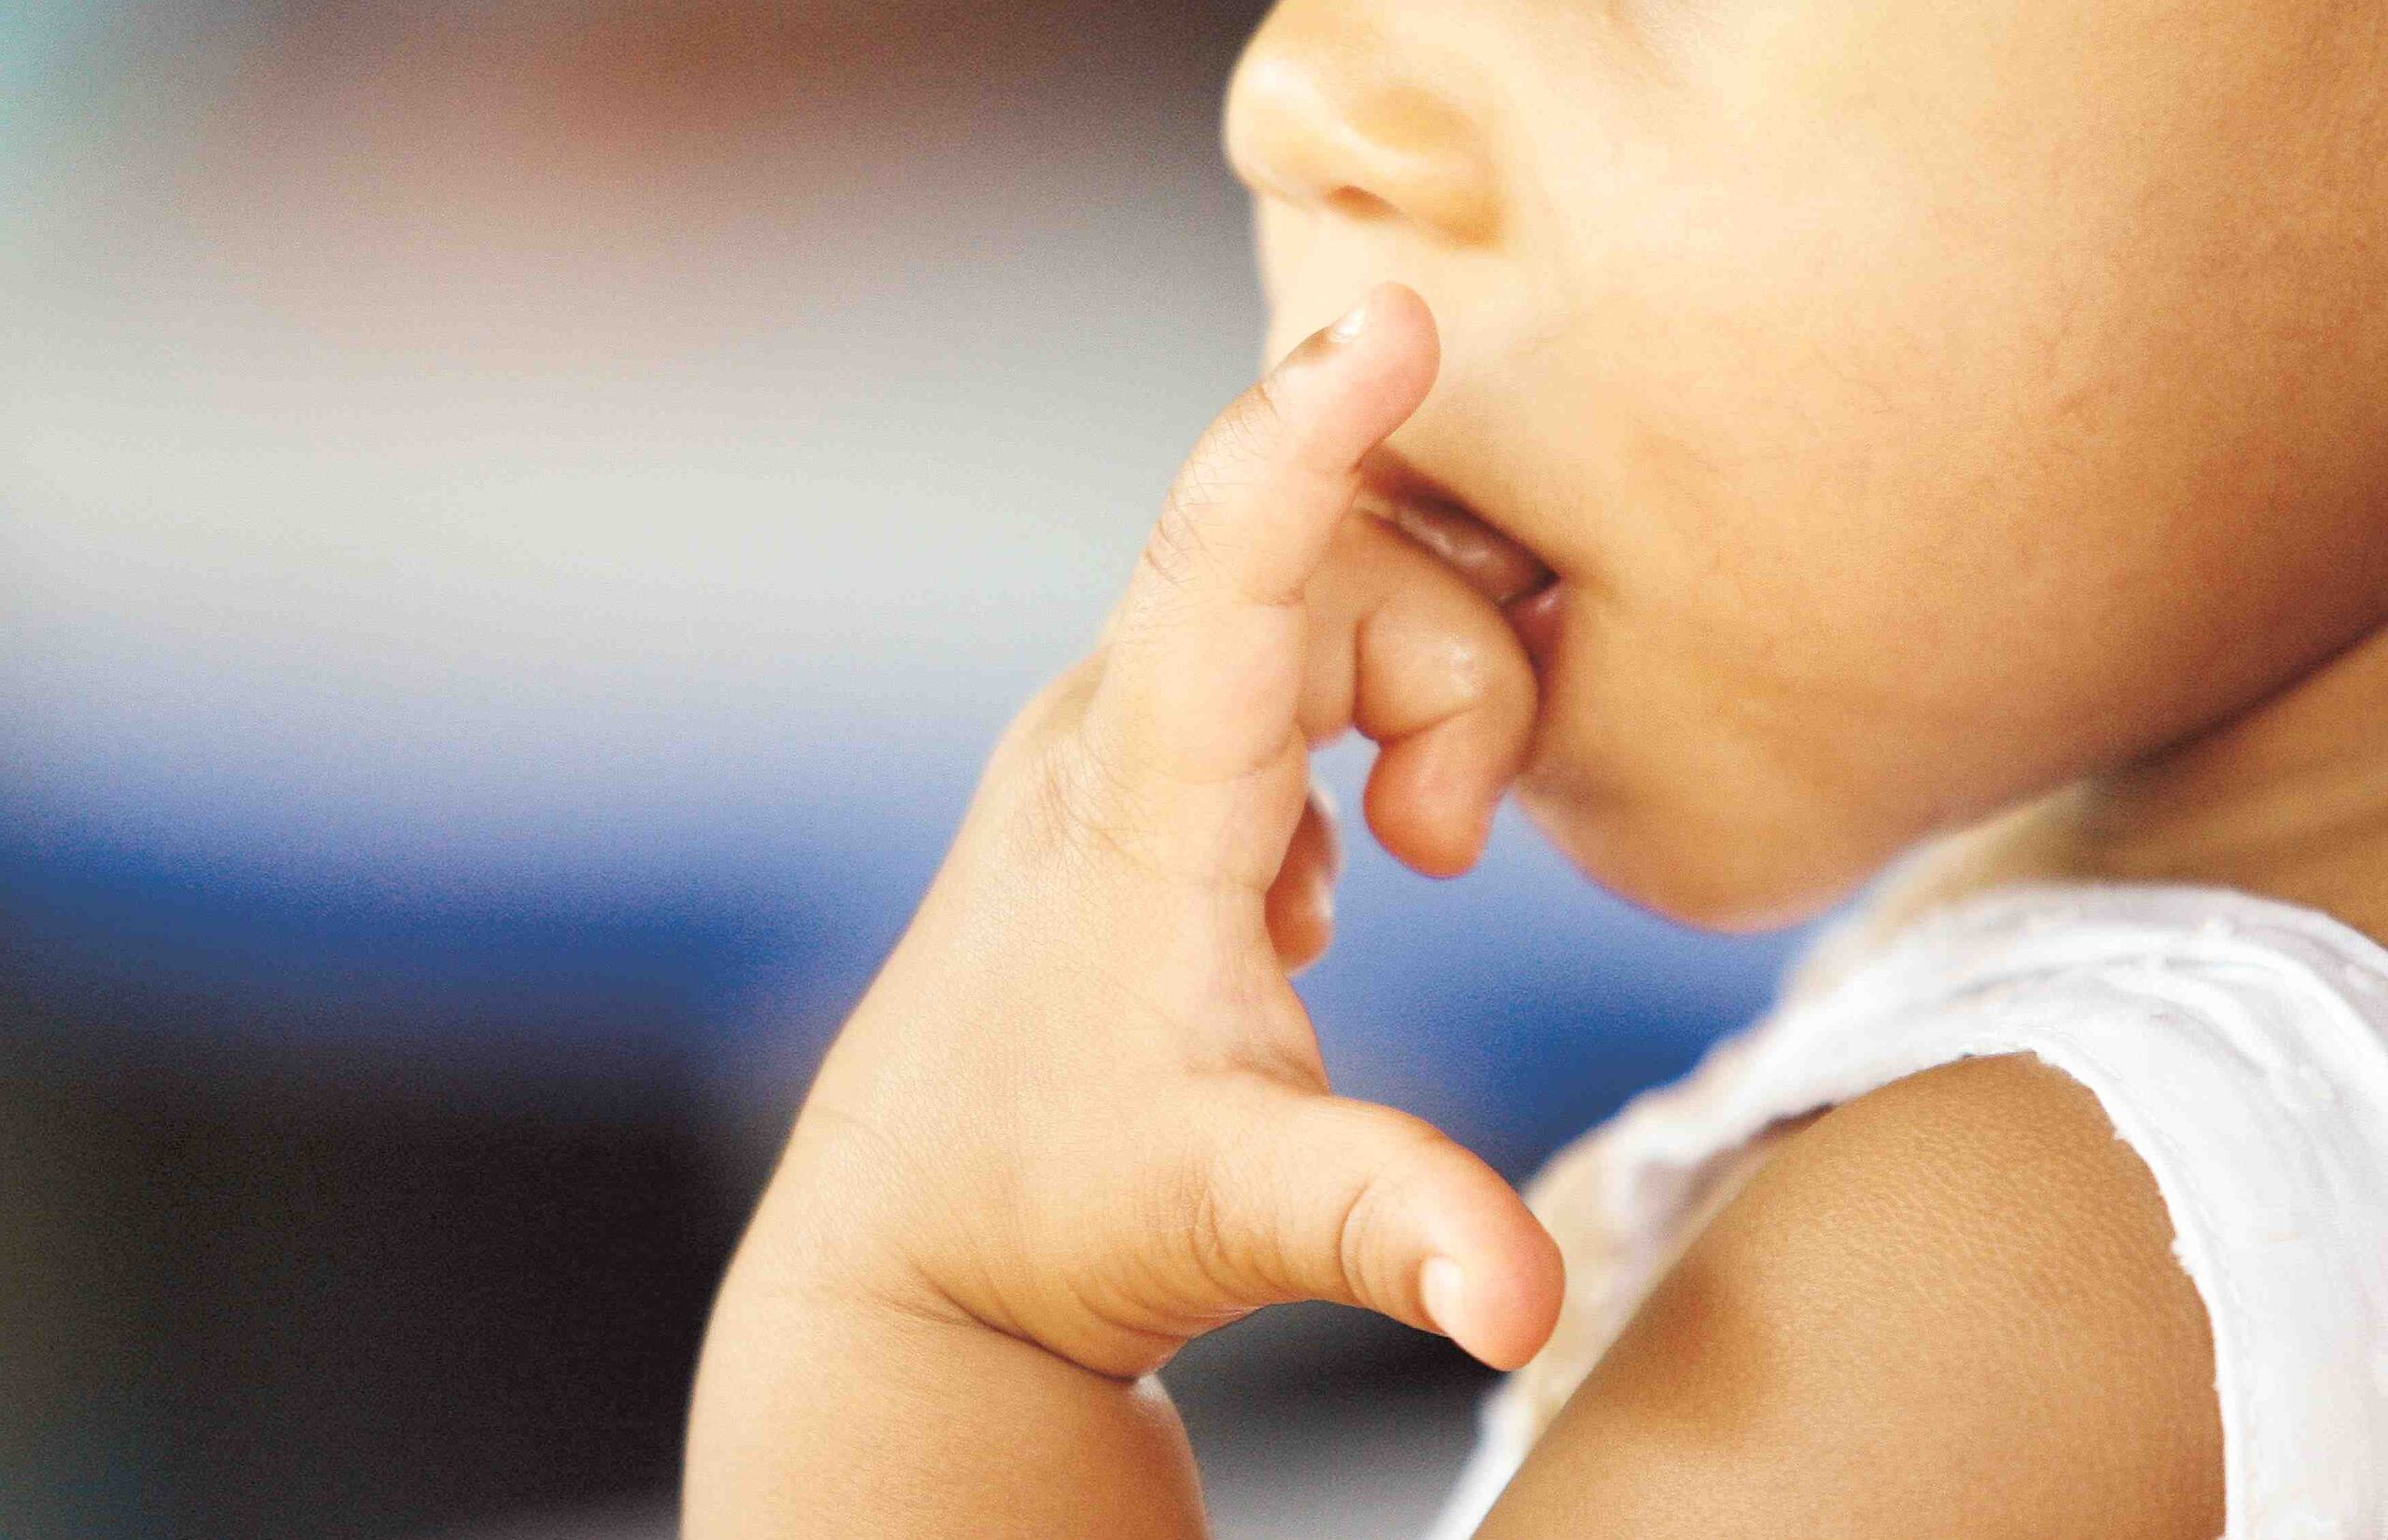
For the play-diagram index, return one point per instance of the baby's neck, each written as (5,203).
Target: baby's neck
(2289,800)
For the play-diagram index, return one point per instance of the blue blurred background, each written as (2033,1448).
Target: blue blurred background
(517,522)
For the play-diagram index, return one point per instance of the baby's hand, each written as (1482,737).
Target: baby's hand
(1083,1104)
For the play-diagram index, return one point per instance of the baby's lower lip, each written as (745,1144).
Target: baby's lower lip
(1538,618)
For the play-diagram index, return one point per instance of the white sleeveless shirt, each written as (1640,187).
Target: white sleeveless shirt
(2239,1046)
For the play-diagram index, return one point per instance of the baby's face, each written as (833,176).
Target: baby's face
(1920,404)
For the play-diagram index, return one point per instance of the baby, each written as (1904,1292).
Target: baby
(1779,440)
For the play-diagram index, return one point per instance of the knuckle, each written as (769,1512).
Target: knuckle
(1081,798)
(1088,806)
(1029,785)
(1060,700)
(1375,1216)
(1183,547)
(1218,1253)
(1250,433)
(1242,1238)
(1357,1238)
(1178,550)
(1258,417)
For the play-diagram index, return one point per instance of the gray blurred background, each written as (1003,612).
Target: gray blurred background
(517,522)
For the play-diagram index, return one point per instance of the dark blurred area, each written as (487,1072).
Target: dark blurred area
(517,524)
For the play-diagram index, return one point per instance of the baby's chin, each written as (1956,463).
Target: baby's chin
(1714,862)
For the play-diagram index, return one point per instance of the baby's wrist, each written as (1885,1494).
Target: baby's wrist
(835,1230)
(970,1238)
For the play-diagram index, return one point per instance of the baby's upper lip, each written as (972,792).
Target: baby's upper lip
(1491,562)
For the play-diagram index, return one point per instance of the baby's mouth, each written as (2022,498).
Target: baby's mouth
(1489,561)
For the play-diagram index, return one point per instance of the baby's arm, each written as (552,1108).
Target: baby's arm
(1948,1309)
(1081,1117)
(828,1408)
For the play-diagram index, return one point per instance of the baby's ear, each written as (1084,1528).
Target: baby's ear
(1949,1307)
(1402,647)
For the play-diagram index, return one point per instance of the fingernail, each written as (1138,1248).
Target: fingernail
(1355,322)
(1439,1286)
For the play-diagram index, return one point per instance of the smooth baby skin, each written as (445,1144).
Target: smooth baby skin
(1855,421)
(1080,1118)
(1924,405)
(1953,420)
(1948,1309)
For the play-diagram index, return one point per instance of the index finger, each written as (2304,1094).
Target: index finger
(1203,681)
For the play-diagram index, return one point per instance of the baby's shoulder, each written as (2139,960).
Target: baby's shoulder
(1950,1307)
(2102,1191)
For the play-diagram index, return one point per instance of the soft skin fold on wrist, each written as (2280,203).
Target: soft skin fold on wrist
(839,1414)
(822,1238)
(842,1230)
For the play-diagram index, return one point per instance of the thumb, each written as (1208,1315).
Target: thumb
(1319,1198)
